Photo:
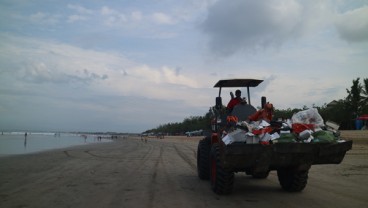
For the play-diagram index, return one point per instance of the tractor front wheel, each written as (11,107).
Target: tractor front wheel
(203,159)
(221,180)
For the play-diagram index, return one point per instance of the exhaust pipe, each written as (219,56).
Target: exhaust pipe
(263,101)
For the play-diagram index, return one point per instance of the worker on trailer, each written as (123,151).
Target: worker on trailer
(263,114)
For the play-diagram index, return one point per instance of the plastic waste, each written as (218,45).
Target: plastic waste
(324,136)
(305,134)
(310,116)
(235,136)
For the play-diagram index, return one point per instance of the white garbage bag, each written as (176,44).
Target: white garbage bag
(310,116)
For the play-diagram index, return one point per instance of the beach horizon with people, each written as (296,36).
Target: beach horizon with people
(24,142)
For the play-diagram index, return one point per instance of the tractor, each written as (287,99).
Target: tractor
(218,162)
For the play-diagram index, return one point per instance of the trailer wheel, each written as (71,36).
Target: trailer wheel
(291,180)
(203,159)
(221,180)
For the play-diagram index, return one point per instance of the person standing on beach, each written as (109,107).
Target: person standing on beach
(25,140)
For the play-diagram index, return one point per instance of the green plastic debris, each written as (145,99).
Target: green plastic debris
(286,138)
(324,137)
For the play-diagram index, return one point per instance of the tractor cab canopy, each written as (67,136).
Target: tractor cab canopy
(236,83)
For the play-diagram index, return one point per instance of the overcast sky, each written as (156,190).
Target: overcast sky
(129,66)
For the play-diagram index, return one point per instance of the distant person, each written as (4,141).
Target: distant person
(263,114)
(25,140)
(235,101)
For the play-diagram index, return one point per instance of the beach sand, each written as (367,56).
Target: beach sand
(159,173)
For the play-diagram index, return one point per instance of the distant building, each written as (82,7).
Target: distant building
(332,104)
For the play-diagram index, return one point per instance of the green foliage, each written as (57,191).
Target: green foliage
(354,97)
(343,112)
(364,97)
(288,113)
(337,111)
(189,124)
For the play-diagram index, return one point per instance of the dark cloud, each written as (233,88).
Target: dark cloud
(251,25)
(353,25)
(44,73)
(93,76)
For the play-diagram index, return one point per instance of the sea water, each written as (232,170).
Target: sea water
(12,143)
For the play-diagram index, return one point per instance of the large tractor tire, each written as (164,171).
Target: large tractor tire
(203,158)
(222,181)
(292,180)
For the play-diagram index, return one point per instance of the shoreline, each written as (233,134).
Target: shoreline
(358,137)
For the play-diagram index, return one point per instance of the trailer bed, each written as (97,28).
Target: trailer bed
(241,156)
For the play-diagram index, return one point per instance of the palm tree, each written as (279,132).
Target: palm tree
(354,98)
(364,101)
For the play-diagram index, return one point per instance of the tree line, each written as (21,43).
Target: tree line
(343,112)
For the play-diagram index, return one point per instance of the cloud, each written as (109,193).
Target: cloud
(105,10)
(62,81)
(353,25)
(249,25)
(50,63)
(136,15)
(44,18)
(114,18)
(80,9)
(46,62)
(161,18)
(74,18)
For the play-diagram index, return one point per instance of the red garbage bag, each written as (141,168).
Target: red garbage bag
(262,131)
(299,127)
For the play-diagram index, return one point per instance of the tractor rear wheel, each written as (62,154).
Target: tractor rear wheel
(292,180)
(221,180)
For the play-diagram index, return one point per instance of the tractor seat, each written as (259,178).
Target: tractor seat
(243,111)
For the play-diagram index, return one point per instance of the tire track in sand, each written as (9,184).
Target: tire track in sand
(186,158)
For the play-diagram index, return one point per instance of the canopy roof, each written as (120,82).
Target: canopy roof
(238,83)
(363,117)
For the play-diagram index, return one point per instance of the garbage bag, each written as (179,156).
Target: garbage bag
(310,116)
(285,138)
(299,127)
(324,137)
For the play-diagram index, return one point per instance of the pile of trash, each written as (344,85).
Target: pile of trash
(306,126)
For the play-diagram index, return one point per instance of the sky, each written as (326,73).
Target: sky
(130,66)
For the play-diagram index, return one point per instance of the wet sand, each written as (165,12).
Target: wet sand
(162,173)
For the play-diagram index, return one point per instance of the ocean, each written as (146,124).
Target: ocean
(12,143)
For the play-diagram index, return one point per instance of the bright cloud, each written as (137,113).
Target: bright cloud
(161,18)
(80,9)
(74,18)
(44,18)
